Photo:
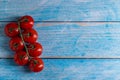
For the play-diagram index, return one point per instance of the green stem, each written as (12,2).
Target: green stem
(23,40)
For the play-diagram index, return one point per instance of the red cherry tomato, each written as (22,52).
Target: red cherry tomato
(35,49)
(11,29)
(21,58)
(26,22)
(36,65)
(30,35)
(16,44)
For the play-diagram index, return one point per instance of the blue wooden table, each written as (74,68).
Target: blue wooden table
(81,39)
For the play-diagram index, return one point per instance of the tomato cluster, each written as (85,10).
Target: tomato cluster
(24,42)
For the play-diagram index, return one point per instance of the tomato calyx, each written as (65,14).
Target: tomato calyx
(15,45)
(35,61)
(10,29)
(31,46)
(22,56)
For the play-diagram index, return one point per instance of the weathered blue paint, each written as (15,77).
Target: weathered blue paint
(61,10)
(72,39)
(66,39)
(63,69)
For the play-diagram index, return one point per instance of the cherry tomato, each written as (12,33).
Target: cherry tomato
(26,22)
(21,58)
(30,35)
(11,29)
(16,44)
(35,49)
(36,65)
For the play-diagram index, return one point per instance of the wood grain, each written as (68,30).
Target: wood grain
(61,10)
(72,40)
(63,69)
(71,31)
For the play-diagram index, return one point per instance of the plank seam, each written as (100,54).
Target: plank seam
(69,58)
(72,21)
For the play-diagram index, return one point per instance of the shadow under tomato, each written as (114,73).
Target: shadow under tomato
(13,65)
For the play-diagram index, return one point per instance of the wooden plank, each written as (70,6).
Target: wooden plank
(86,40)
(63,69)
(61,10)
